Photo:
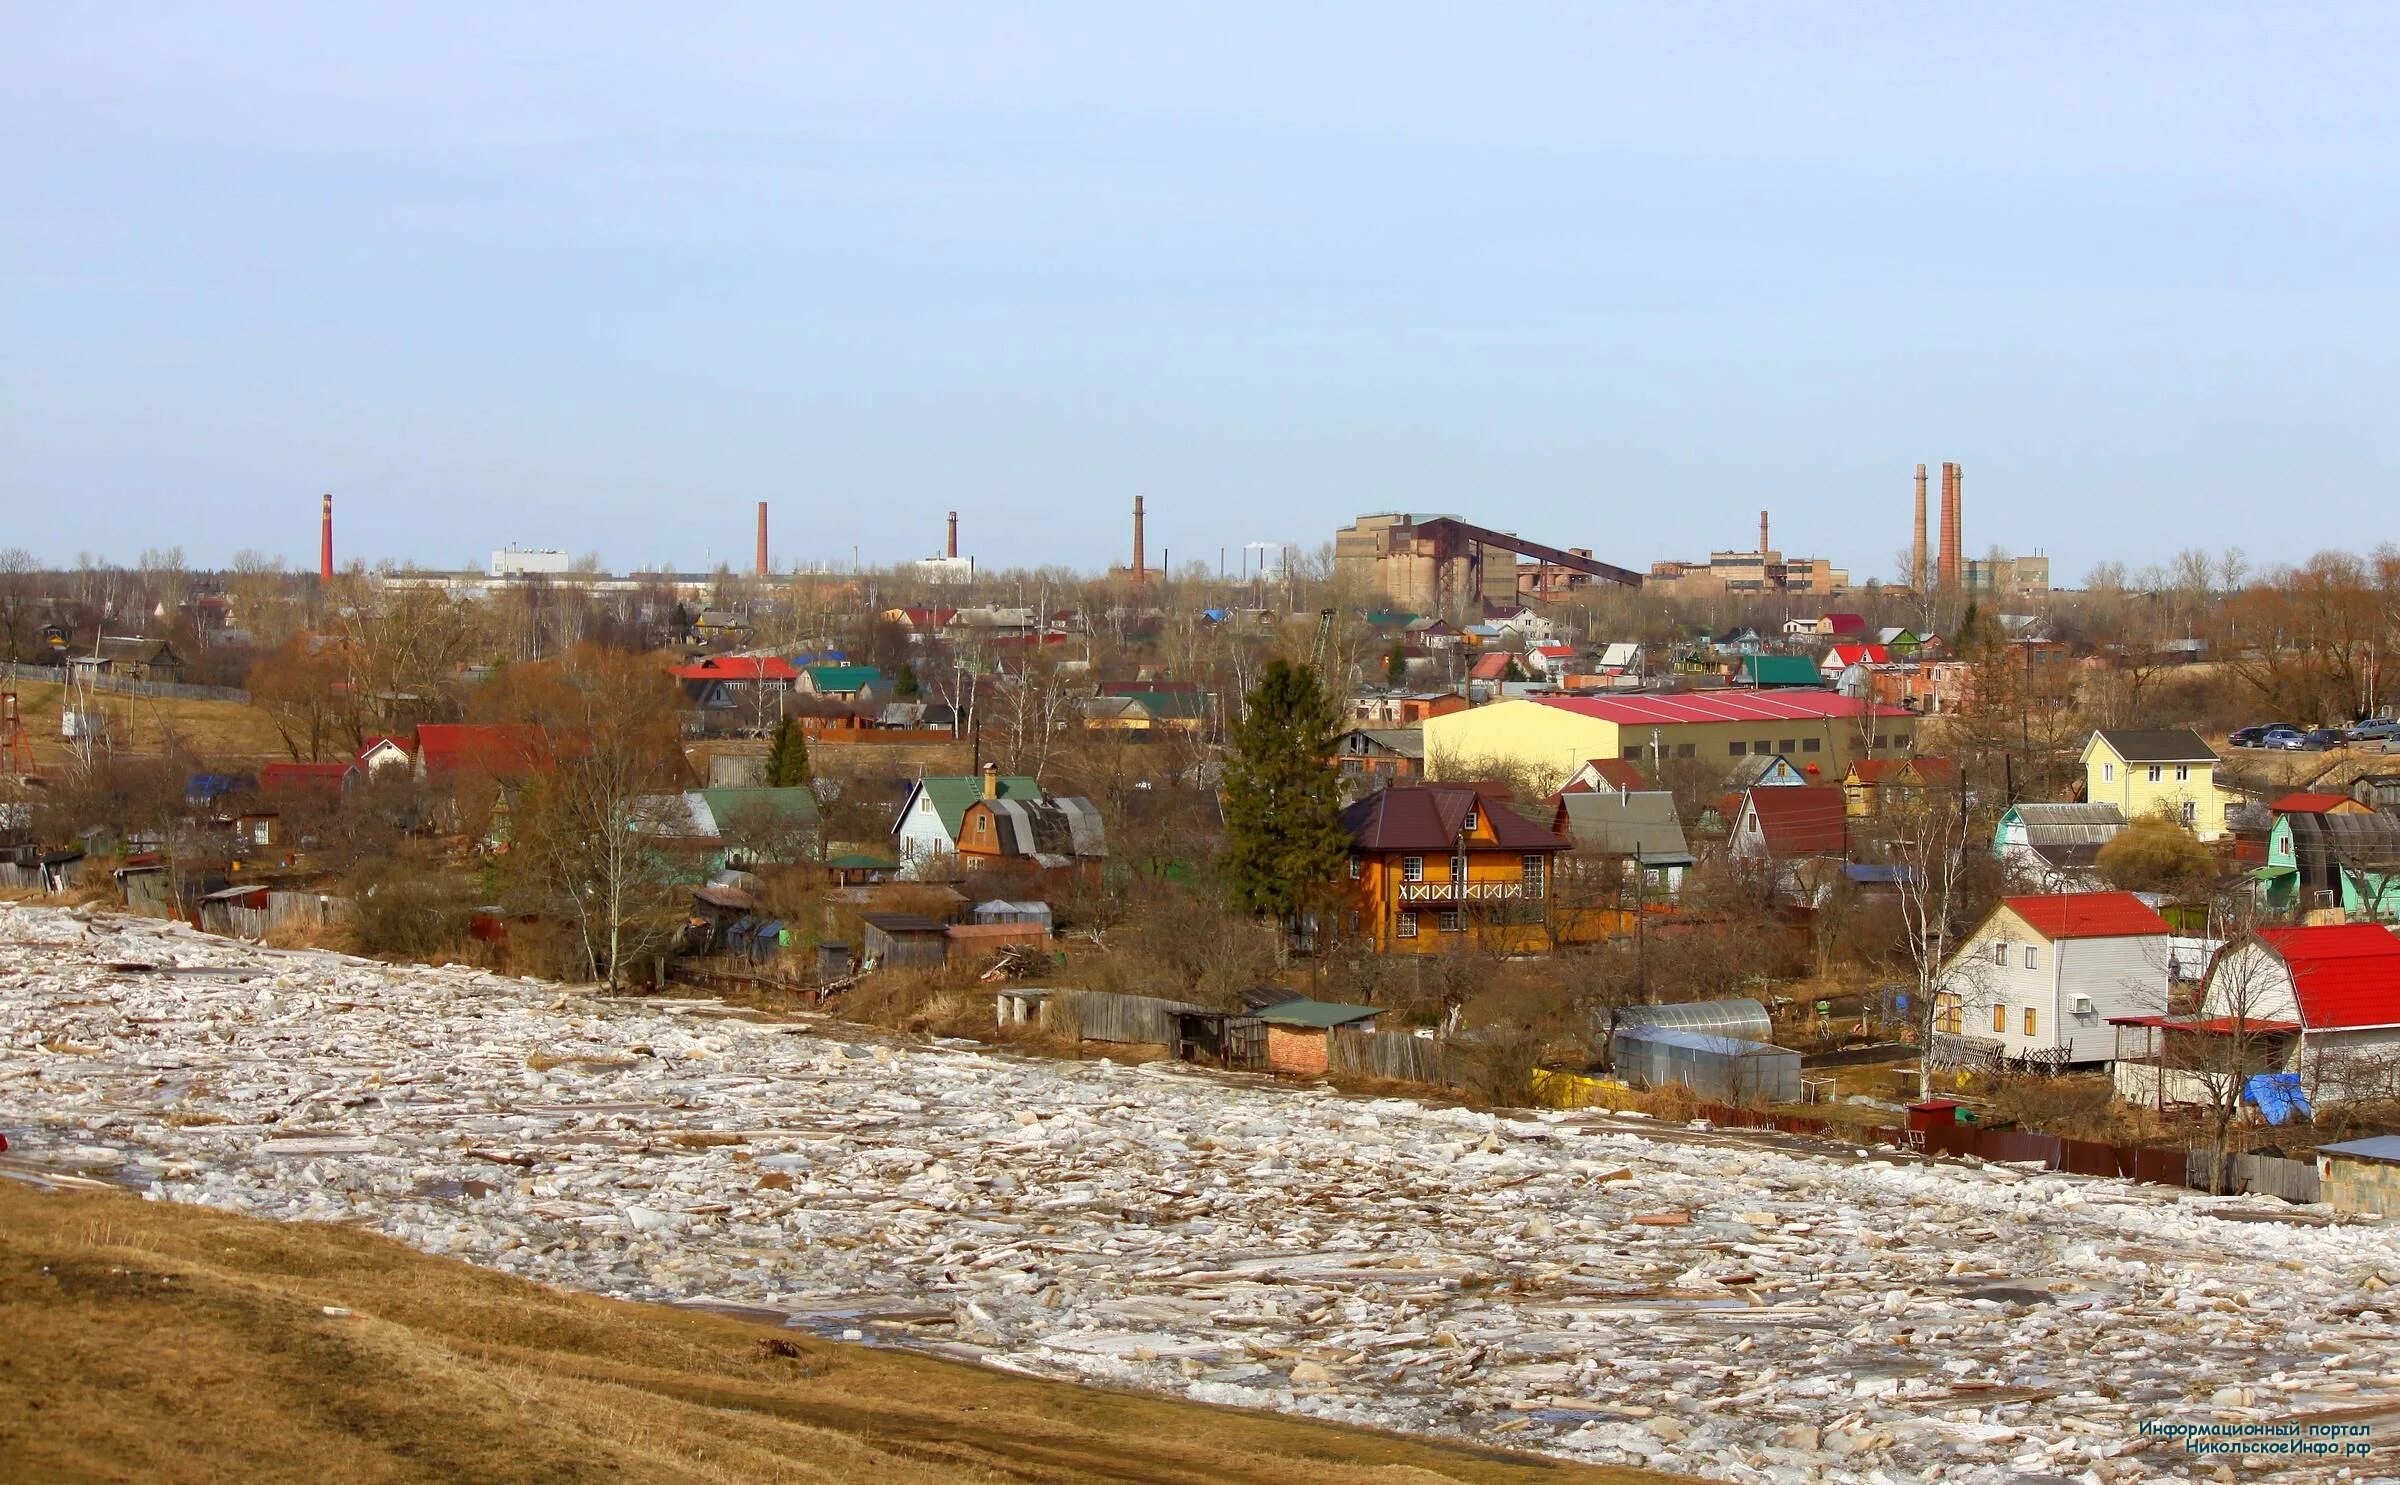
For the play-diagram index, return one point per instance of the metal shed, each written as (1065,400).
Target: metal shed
(1746,1019)
(1727,1069)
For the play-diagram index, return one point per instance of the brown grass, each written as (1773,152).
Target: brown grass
(153,1342)
(220,731)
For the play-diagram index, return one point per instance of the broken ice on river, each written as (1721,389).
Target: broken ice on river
(1532,1281)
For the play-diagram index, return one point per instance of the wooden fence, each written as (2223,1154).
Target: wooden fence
(1105,1016)
(1387,1054)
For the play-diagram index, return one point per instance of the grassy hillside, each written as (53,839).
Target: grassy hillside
(218,731)
(145,1341)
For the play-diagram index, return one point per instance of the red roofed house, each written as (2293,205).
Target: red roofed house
(1605,775)
(1432,863)
(1781,823)
(2338,983)
(496,750)
(1844,626)
(1840,657)
(1550,661)
(323,783)
(2312,802)
(2039,979)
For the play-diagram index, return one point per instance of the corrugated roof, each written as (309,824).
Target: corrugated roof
(1781,670)
(1059,826)
(838,679)
(1717,706)
(794,806)
(1612,824)
(503,750)
(1800,821)
(2347,975)
(2311,802)
(2157,744)
(951,794)
(2067,915)
(1317,1015)
(2384,1148)
(1428,818)
(2069,824)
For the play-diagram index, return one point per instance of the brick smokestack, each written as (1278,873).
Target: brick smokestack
(1946,564)
(325,543)
(950,549)
(762,538)
(1763,548)
(1916,560)
(1138,574)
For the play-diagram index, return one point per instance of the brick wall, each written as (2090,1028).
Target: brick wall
(1295,1051)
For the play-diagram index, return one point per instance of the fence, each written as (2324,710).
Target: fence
(1386,1054)
(126,685)
(1105,1016)
(2264,1175)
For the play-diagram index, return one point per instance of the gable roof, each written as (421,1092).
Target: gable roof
(2157,744)
(1057,828)
(504,750)
(1933,769)
(1754,768)
(2311,802)
(1620,654)
(1800,821)
(2053,824)
(1427,819)
(1612,824)
(952,793)
(795,805)
(1781,670)
(1612,773)
(1491,666)
(737,668)
(1873,771)
(2344,974)
(1845,624)
(1315,1015)
(1843,656)
(2066,915)
(842,678)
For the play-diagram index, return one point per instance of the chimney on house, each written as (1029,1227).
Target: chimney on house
(762,538)
(325,542)
(991,781)
(951,550)
(1916,560)
(1137,539)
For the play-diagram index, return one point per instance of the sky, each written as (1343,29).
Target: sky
(602,276)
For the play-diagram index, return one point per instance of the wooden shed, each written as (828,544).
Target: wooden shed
(904,941)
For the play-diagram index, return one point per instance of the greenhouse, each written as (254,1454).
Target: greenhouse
(1728,1069)
(1746,1019)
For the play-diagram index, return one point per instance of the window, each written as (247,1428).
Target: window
(1458,868)
(2029,1020)
(1810,744)
(1408,925)
(1761,748)
(1354,868)
(2108,773)
(2032,957)
(1452,920)
(924,804)
(1534,865)
(2191,814)
(983,826)
(1687,750)
(2000,954)
(1788,745)
(1412,868)
(2000,1018)
(2155,773)
(1736,749)
(1470,820)
(2183,773)
(1631,754)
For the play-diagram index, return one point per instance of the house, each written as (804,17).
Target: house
(1785,825)
(927,827)
(1840,659)
(1620,657)
(1874,785)
(1931,687)
(132,659)
(2377,790)
(1433,634)
(903,941)
(1162,710)
(1763,771)
(1842,626)
(1625,836)
(2337,985)
(503,751)
(859,685)
(1299,1032)
(2361,1175)
(2329,851)
(1555,735)
(2037,982)
(1055,832)
(1778,670)
(378,756)
(741,828)
(321,783)
(2156,770)
(1617,774)
(1380,754)
(1550,661)
(1905,644)
(1430,863)
(1406,708)
(1493,667)
(2055,847)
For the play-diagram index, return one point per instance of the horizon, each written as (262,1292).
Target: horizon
(1610,279)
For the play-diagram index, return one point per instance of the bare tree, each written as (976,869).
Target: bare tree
(1938,906)
(20,579)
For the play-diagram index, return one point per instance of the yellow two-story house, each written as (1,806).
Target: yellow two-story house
(1436,866)
(2156,770)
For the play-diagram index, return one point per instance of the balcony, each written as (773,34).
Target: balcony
(1461,892)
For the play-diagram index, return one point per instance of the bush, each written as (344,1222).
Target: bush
(407,909)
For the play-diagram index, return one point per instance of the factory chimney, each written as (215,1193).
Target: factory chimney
(951,550)
(1946,564)
(325,542)
(762,538)
(1916,559)
(1763,548)
(1138,574)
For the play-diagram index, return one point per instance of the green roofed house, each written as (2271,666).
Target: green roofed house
(1767,671)
(853,683)
(737,828)
(928,824)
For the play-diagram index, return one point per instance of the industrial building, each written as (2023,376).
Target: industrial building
(1440,564)
(1764,570)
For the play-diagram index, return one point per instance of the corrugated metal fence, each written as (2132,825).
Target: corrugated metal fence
(1386,1054)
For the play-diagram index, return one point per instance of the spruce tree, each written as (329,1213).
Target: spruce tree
(1395,665)
(905,685)
(1284,840)
(787,756)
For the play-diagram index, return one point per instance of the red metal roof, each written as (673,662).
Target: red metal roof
(1846,623)
(503,750)
(2310,802)
(1847,655)
(2064,915)
(1615,773)
(1803,821)
(2345,974)
(738,668)
(1718,706)
(1427,819)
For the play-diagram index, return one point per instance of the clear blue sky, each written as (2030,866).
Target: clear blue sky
(601,276)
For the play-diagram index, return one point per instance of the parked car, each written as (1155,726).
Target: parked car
(2374,729)
(2321,739)
(2290,739)
(2256,737)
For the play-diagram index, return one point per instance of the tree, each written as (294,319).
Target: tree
(2155,854)
(1395,664)
(19,582)
(1284,840)
(905,685)
(300,690)
(787,756)
(1939,900)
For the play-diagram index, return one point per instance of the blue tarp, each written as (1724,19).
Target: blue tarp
(2278,1098)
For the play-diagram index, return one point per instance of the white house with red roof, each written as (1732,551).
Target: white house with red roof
(2337,983)
(1550,661)
(2039,979)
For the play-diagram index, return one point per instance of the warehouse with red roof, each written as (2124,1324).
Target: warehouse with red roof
(1820,732)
